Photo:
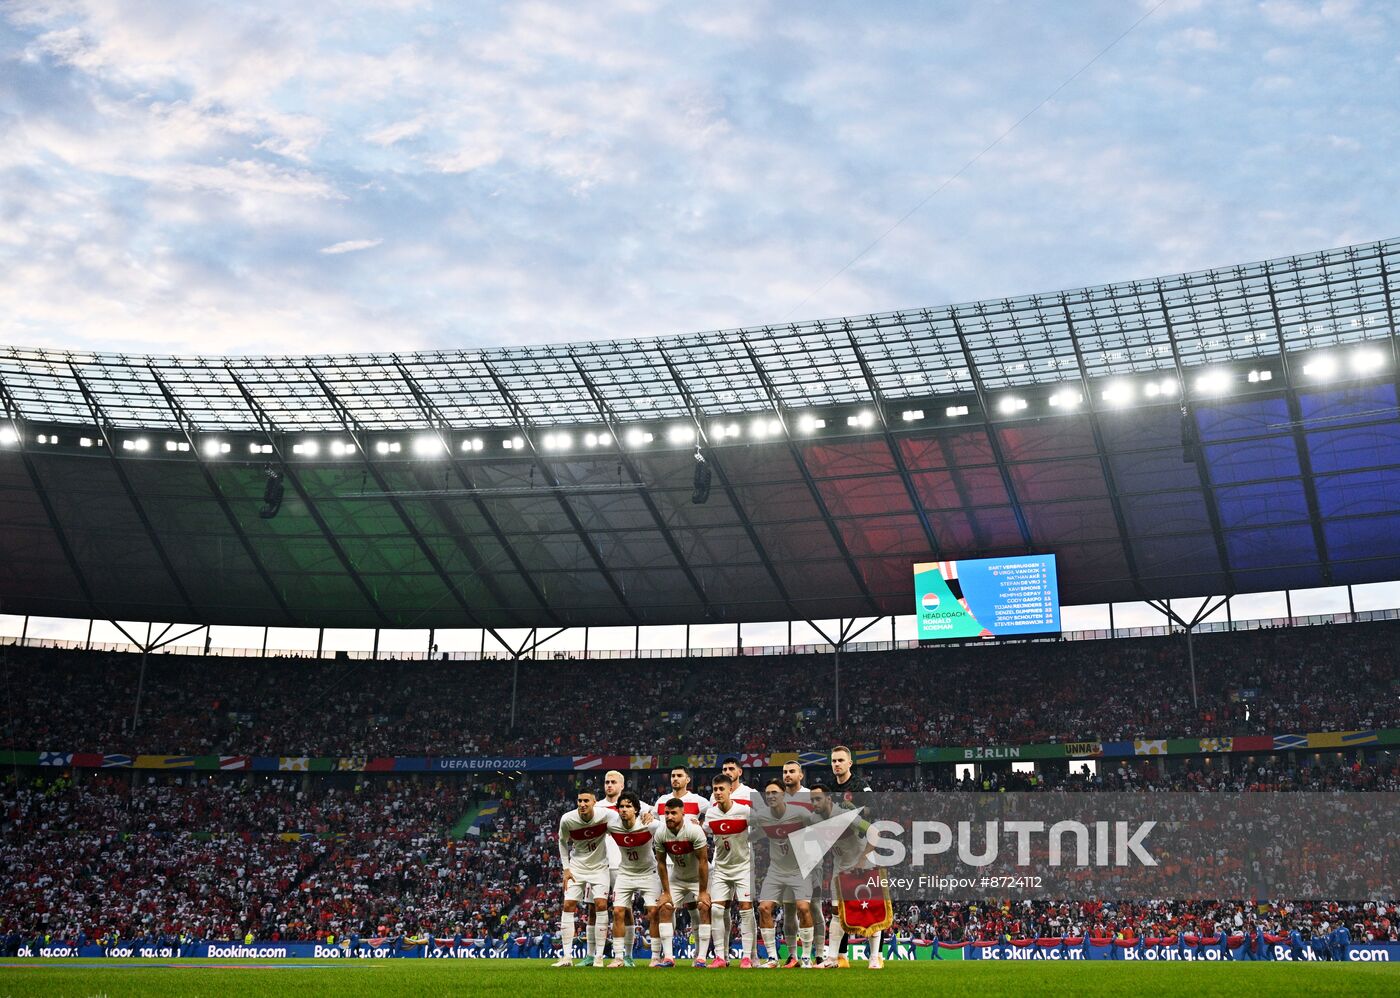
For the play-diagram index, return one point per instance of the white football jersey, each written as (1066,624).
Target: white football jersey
(776,828)
(635,847)
(681,848)
(581,843)
(695,805)
(732,854)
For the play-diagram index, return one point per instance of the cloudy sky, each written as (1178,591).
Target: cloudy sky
(316,176)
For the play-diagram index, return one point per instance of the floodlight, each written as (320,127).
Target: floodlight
(1321,367)
(1118,393)
(1366,361)
(1213,382)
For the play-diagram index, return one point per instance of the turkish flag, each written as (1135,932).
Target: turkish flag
(864,902)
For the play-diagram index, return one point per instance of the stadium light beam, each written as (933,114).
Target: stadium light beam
(1213,382)
(429,445)
(1119,393)
(1323,367)
(1367,361)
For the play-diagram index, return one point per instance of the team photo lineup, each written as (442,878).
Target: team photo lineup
(613,846)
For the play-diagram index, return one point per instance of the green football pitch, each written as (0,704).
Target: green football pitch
(523,978)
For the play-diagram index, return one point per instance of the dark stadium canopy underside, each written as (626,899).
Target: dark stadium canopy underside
(1289,482)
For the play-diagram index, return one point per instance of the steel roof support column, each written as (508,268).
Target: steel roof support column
(357,434)
(17,419)
(187,427)
(878,399)
(605,413)
(99,418)
(981,390)
(441,426)
(268,427)
(697,416)
(1300,443)
(846,635)
(1391,317)
(776,403)
(1202,612)
(522,423)
(1188,419)
(1104,466)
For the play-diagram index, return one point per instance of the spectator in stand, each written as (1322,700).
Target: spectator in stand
(1308,679)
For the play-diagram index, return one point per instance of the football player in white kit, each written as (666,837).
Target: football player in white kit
(797,795)
(686,883)
(748,796)
(847,853)
(694,807)
(582,854)
(613,782)
(784,882)
(731,876)
(636,873)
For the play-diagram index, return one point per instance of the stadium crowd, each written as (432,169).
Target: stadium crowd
(1263,681)
(327,857)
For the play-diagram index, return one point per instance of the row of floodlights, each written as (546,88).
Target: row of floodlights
(1321,367)
(1217,381)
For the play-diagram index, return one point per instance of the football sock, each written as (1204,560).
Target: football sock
(747,931)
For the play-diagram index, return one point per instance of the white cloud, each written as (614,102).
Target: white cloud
(170,175)
(1197,39)
(350,246)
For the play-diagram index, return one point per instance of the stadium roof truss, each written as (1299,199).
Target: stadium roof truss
(1225,431)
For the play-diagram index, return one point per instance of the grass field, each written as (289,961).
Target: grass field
(524,978)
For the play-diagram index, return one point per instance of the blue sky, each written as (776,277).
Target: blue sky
(316,177)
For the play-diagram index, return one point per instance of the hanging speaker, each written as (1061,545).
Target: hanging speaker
(703,477)
(272,494)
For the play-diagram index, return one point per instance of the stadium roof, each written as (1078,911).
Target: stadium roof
(1226,431)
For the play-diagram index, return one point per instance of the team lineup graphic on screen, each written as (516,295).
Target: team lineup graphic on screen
(988,597)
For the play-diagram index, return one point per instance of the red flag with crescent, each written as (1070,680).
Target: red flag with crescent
(864,900)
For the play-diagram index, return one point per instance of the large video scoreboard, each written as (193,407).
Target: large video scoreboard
(987,597)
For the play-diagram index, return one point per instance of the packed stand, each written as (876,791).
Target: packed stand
(330,857)
(1335,677)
